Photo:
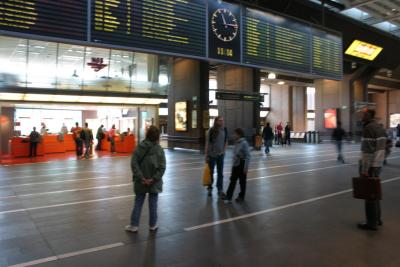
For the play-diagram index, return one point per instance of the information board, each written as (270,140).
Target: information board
(327,56)
(160,25)
(275,41)
(61,18)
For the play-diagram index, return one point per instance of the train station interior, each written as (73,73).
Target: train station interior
(106,103)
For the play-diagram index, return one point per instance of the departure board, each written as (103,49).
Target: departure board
(175,26)
(61,18)
(327,57)
(274,41)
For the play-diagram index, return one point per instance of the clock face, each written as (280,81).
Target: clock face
(224,25)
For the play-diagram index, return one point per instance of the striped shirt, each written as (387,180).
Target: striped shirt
(373,145)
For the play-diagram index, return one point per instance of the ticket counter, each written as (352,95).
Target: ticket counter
(123,144)
(51,143)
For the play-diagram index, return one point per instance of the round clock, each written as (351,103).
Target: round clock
(224,24)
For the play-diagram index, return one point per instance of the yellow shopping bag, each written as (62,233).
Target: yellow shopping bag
(206,175)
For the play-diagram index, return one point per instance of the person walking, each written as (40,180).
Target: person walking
(111,135)
(268,136)
(34,139)
(99,137)
(216,143)
(241,159)
(373,147)
(148,165)
(87,139)
(338,136)
(287,134)
(78,141)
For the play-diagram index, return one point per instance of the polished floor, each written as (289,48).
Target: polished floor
(299,211)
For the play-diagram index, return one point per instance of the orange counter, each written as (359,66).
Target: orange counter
(20,147)
(52,144)
(49,144)
(126,146)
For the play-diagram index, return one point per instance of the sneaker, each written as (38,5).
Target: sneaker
(227,201)
(154,228)
(130,228)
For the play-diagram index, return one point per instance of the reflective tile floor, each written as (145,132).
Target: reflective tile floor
(299,211)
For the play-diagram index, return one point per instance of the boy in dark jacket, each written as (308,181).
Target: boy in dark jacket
(241,159)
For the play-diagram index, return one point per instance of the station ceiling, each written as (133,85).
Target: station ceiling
(382,14)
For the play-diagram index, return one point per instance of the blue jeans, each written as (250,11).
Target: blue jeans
(266,143)
(219,161)
(339,149)
(137,210)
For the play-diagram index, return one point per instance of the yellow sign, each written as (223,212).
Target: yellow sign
(363,50)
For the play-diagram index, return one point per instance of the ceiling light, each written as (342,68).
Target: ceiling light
(271,76)
(281,83)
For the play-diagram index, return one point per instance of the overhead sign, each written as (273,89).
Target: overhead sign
(363,50)
(239,96)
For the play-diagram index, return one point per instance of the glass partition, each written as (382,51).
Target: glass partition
(51,65)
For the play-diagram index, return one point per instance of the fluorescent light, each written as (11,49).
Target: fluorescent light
(281,82)
(271,76)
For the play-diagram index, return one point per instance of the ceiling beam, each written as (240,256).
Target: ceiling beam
(366,2)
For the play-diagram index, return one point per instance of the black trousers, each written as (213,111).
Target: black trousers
(79,147)
(237,174)
(373,207)
(98,147)
(287,139)
(32,149)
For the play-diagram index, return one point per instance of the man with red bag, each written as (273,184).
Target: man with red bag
(373,147)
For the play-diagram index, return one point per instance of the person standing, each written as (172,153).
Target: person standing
(64,129)
(241,159)
(268,136)
(373,147)
(111,135)
(287,134)
(216,143)
(87,139)
(34,139)
(148,166)
(279,130)
(338,135)
(99,137)
(78,141)
(398,132)
(43,130)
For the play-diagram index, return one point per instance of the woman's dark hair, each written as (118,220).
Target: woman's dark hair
(239,132)
(215,129)
(153,134)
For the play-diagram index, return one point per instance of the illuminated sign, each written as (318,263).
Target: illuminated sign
(363,50)
(330,118)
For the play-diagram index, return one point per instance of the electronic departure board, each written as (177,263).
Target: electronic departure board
(204,29)
(275,41)
(327,57)
(156,25)
(61,18)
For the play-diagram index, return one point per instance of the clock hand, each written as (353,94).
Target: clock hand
(223,19)
(232,25)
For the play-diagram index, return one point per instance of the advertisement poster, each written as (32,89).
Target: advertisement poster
(181,116)
(330,118)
